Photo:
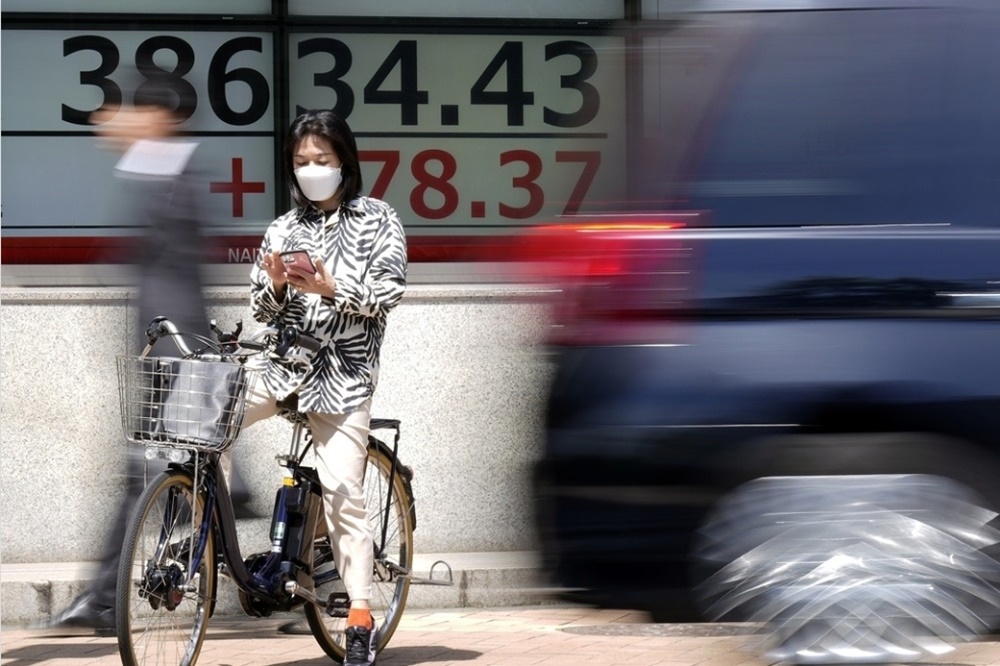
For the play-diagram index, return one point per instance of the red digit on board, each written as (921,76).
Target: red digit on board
(591,159)
(390,162)
(438,183)
(536,197)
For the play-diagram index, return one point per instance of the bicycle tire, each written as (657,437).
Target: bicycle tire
(163,610)
(389,588)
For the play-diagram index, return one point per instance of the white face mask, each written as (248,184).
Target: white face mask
(318,183)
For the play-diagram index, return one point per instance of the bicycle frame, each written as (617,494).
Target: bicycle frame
(281,579)
(285,561)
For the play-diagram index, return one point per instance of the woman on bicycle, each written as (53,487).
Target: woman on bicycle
(353,274)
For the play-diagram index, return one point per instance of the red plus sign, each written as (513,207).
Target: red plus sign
(238,187)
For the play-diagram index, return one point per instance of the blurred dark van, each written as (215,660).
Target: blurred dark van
(777,385)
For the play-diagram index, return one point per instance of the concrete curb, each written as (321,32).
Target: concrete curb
(32,593)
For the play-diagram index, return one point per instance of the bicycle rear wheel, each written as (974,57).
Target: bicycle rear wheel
(393,560)
(164,597)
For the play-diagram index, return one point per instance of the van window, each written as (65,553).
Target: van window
(850,117)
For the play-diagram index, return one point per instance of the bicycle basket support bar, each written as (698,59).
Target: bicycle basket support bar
(191,404)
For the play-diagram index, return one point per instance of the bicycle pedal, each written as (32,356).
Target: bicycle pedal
(337,604)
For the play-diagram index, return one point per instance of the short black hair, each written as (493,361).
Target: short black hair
(324,124)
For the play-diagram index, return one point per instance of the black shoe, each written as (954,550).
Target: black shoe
(361,644)
(296,628)
(83,616)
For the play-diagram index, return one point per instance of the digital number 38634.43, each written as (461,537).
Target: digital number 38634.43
(501,81)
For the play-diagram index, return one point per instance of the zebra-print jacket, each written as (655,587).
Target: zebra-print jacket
(364,247)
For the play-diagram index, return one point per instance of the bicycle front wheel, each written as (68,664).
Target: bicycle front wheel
(389,512)
(165,585)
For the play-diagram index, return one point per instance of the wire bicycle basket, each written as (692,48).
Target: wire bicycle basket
(182,403)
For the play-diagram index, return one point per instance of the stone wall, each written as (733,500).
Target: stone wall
(461,368)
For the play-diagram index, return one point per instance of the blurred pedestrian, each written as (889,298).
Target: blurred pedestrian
(352,274)
(159,191)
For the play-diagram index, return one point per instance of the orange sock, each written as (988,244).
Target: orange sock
(360,617)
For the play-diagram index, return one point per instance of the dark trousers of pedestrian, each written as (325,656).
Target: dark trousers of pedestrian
(95,606)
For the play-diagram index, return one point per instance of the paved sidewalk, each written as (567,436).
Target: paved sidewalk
(523,636)
(31,593)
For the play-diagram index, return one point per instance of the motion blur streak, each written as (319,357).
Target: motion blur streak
(866,568)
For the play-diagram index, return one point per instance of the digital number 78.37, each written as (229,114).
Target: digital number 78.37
(437,178)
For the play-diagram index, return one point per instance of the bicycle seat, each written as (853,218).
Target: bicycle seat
(289,402)
(288,408)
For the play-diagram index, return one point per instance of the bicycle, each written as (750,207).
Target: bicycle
(182,532)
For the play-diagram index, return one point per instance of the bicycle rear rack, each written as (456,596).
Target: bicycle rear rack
(337,607)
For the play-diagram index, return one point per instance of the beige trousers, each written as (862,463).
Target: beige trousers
(341,446)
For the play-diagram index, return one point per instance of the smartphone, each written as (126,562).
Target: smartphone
(299,259)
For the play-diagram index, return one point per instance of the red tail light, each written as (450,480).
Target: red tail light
(560,252)
(610,279)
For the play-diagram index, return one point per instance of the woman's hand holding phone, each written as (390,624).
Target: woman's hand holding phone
(298,260)
(297,269)
(275,269)
(307,276)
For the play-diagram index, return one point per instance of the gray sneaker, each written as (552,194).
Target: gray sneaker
(361,644)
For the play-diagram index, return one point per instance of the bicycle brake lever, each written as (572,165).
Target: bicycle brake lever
(285,341)
(290,337)
(299,359)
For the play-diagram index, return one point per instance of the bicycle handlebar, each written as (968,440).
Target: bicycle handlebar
(286,337)
(161,327)
(290,336)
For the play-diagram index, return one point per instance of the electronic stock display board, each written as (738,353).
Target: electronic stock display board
(466,133)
